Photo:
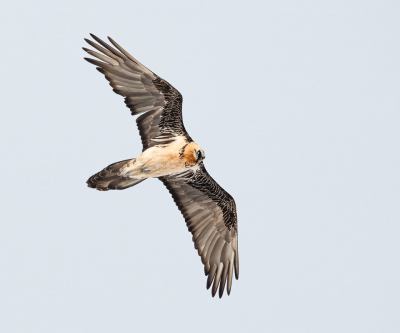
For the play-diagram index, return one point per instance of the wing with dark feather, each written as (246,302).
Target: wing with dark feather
(210,215)
(144,92)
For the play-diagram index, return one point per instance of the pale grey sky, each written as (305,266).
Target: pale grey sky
(296,104)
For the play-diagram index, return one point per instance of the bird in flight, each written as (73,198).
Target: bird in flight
(170,154)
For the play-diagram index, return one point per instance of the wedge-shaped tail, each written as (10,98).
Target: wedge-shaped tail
(109,178)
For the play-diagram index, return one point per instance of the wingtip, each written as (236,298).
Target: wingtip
(236,264)
(97,39)
(209,283)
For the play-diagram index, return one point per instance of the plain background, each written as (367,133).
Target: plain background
(296,104)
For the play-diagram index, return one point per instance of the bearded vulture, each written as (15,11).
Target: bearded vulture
(170,154)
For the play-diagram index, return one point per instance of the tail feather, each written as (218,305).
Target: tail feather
(109,178)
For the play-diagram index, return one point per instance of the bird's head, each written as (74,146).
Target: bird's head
(193,154)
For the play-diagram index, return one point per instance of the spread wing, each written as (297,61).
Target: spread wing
(144,92)
(210,215)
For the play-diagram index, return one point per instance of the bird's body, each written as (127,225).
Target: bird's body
(170,155)
(157,161)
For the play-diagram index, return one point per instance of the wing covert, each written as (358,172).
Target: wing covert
(210,215)
(144,92)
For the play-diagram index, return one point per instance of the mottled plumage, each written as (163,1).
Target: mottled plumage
(170,154)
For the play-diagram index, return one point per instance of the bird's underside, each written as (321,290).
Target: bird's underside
(170,155)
